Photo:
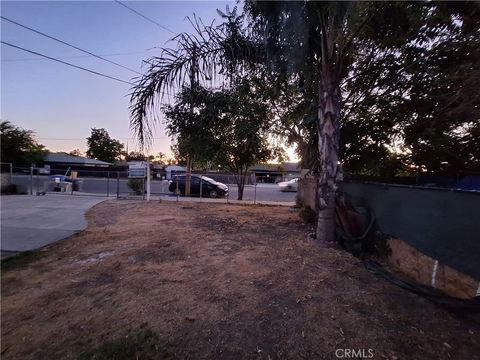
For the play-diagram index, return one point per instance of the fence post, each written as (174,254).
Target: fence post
(148,180)
(11,173)
(31,180)
(255,194)
(118,184)
(38,187)
(178,192)
(108,183)
(201,188)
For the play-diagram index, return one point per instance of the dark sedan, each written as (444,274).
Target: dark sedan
(210,187)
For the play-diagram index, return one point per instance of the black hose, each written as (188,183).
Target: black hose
(469,308)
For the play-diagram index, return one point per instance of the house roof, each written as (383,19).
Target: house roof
(284,167)
(291,167)
(266,167)
(175,168)
(65,158)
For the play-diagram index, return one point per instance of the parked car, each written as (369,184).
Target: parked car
(290,185)
(210,187)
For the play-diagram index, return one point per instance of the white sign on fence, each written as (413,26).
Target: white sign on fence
(138,170)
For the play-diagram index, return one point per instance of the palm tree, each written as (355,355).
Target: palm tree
(321,41)
(315,44)
(211,55)
(311,41)
(328,29)
(211,51)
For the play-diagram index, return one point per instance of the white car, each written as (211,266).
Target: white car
(290,185)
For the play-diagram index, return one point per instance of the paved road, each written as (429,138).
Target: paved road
(30,222)
(103,186)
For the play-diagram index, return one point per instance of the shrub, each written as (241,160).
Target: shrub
(136,185)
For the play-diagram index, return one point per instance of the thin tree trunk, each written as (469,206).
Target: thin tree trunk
(241,187)
(328,136)
(241,184)
(188,177)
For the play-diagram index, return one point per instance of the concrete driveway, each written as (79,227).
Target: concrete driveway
(30,222)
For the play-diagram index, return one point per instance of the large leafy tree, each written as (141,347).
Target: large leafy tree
(211,55)
(102,147)
(317,44)
(408,102)
(442,133)
(348,61)
(244,126)
(18,146)
(383,85)
(229,127)
(188,123)
(312,42)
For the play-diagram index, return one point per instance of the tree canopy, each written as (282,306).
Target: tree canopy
(135,156)
(102,147)
(371,85)
(76,152)
(211,54)
(442,130)
(18,146)
(408,102)
(227,127)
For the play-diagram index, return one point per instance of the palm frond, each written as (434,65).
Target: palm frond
(214,52)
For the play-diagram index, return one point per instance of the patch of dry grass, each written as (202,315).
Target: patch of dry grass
(214,281)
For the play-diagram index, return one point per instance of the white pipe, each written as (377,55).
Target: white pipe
(434,273)
(148,179)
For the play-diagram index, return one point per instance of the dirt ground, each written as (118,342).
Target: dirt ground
(215,281)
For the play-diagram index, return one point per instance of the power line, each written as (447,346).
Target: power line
(145,17)
(72,46)
(75,66)
(66,63)
(78,56)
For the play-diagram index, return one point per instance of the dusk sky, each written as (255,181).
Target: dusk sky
(61,103)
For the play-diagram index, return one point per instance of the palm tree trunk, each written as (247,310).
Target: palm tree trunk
(328,136)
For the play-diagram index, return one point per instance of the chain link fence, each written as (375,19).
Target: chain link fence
(6,177)
(117,184)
